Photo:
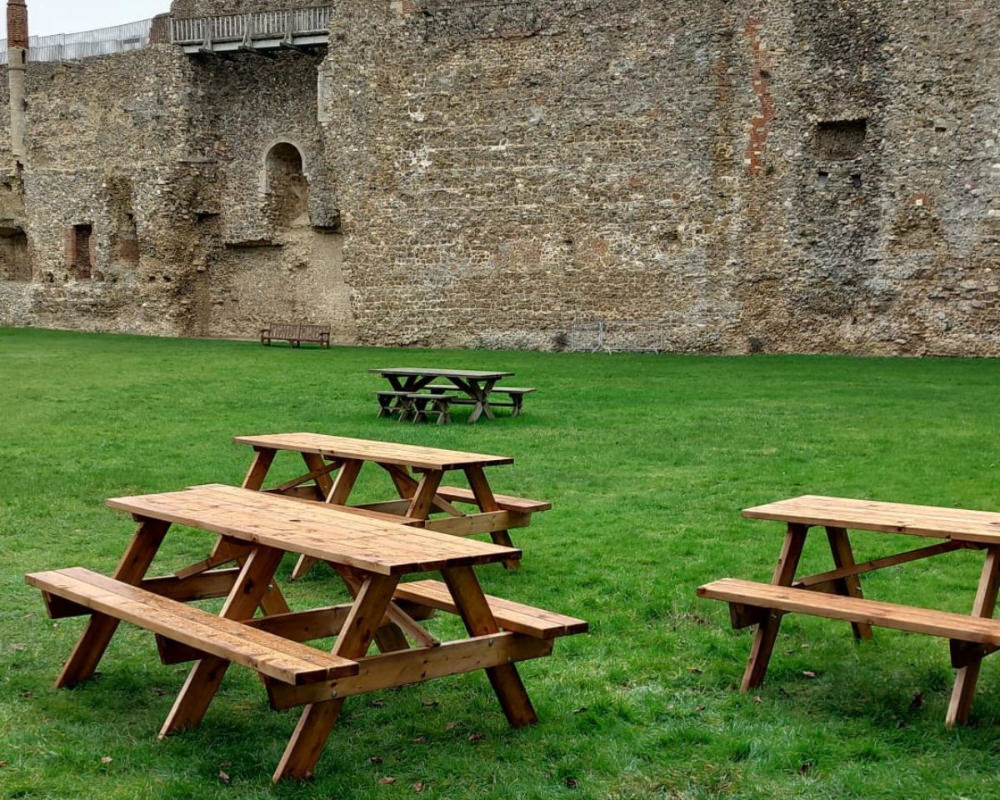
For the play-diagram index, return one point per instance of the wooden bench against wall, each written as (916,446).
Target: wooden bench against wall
(295,333)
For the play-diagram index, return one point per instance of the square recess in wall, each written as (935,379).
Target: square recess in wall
(839,138)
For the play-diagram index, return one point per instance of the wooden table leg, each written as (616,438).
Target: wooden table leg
(261,463)
(487,502)
(967,677)
(317,720)
(100,628)
(479,621)
(767,631)
(422,500)
(315,463)
(337,493)
(205,676)
(843,556)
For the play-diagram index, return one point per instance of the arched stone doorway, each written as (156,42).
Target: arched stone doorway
(286,186)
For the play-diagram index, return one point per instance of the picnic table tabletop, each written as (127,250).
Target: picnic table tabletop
(958,524)
(343,447)
(438,372)
(836,593)
(330,534)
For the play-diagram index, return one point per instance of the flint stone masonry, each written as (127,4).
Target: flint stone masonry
(715,176)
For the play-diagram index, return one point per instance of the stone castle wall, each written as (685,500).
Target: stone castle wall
(711,176)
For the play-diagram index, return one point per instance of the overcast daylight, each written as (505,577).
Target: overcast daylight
(46,17)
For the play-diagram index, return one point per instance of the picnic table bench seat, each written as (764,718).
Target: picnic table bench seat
(515,395)
(296,333)
(511,616)
(280,658)
(505,502)
(750,602)
(417,406)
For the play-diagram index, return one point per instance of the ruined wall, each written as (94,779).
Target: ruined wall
(700,176)
(703,176)
(266,263)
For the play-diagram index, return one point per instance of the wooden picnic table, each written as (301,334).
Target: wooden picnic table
(333,464)
(477,384)
(837,594)
(372,555)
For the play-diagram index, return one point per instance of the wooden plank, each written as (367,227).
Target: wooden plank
(469,524)
(871,515)
(913,619)
(816,581)
(369,450)
(264,652)
(205,676)
(528,620)
(486,501)
(843,557)
(214,583)
(407,667)
(345,538)
(767,631)
(100,627)
(506,502)
(968,676)
(298,626)
(262,458)
(317,720)
(479,621)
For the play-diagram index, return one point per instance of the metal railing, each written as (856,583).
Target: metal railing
(262,24)
(73,46)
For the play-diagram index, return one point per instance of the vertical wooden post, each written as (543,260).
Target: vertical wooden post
(843,556)
(967,677)
(767,631)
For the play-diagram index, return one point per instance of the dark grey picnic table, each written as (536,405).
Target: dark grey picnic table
(477,384)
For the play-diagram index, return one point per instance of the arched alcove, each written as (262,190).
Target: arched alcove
(286,186)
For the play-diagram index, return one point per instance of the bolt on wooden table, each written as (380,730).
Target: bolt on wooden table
(372,554)
(334,463)
(837,593)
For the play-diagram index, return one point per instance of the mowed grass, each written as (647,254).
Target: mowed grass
(647,459)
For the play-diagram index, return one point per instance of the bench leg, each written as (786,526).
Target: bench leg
(518,400)
(205,676)
(479,621)
(100,628)
(317,720)
(967,677)
(843,556)
(767,631)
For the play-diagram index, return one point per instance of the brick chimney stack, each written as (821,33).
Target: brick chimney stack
(17,59)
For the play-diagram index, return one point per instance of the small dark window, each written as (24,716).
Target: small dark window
(15,264)
(80,257)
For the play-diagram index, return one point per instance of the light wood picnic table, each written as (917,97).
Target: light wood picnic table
(837,593)
(334,463)
(372,554)
(477,384)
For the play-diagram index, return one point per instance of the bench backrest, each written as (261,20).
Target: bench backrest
(283,330)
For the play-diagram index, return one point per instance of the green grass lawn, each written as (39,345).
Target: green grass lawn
(647,459)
